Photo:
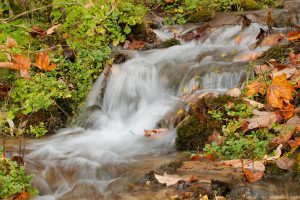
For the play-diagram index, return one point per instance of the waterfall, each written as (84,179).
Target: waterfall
(138,94)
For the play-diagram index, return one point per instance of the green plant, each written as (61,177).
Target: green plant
(13,179)
(37,131)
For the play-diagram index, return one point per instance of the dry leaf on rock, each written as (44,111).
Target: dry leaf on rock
(279,90)
(261,119)
(285,163)
(286,132)
(168,179)
(256,88)
(254,104)
(10,43)
(235,92)
(42,61)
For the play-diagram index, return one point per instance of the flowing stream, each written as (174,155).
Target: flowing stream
(88,161)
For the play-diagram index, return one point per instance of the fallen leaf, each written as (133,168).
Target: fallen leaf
(294,58)
(277,65)
(152,132)
(285,163)
(256,88)
(248,164)
(23,196)
(279,90)
(286,132)
(196,157)
(272,40)
(168,179)
(169,1)
(261,119)
(261,69)
(295,143)
(254,104)
(294,121)
(42,61)
(253,175)
(10,43)
(293,35)
(287,111)
(235,92)
(210,157)
(21,62)
(277,154)
(248,57)
(52,29)
(289,72)
(8,65)
(136,44)
(35,31)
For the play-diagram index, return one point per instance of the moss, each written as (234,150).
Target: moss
(280,52)
(171,167)
(143,33)
(250,5)
(170,42)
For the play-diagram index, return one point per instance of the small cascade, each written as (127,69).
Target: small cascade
(85,161)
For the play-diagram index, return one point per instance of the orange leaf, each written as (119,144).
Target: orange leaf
(293,35)
(23,196)
(255,88)
(287,111)
(279,90)
(43,61)
(295,143)
(21,62)
(10,43)
(136,44)
(252,175)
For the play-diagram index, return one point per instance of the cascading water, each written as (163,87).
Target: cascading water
(83,162)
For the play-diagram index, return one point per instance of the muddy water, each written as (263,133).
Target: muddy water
(106,152)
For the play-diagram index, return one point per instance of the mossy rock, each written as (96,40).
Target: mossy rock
(280,52)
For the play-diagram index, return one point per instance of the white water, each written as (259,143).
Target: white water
(139,93)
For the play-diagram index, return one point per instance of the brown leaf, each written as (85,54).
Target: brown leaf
(35,31)
(248,164)
(295,143)
(10,43)
(277,65)
(294,121)
(256,88)
(286,132)
(169,1)
(42,61)
(294,58)
(136,44)
(234,92)
(285,163)
(280,90)
(261,119)
(261,69)
(277,154)
(21,62)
